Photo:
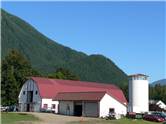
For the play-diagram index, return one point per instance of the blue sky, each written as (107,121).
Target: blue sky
(131,34)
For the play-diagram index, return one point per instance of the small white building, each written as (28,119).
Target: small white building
(72,97)
(159,103)
(138,93)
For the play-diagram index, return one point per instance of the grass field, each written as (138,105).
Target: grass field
(120,121)
(14,118)
(29,118)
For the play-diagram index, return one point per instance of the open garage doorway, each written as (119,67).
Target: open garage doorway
(78,109)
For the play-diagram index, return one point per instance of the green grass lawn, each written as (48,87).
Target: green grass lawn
(14,118)
(120,121)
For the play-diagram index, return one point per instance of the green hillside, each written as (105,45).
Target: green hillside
(46,55)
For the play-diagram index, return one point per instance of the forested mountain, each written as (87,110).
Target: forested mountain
(46,55)
(161,82)
(157,90)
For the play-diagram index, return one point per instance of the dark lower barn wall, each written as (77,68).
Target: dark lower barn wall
(79,108)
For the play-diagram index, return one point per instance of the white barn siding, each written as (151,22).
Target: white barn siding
(29,86)
(108,102)
(37,102)
(49,103)
(66,107)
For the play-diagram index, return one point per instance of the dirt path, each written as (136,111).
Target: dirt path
(48,118)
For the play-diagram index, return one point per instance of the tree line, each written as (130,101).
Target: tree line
(16,69)
(158,92)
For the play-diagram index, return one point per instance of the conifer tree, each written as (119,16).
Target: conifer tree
(62,73)
(15,70)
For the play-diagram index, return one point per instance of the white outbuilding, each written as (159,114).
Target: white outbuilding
(158,103)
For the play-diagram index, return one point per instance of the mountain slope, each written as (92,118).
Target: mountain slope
(41,51)
(161,82)
(46,55)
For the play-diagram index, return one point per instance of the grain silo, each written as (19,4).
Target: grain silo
(138,93)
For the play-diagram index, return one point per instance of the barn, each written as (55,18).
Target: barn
(71,97)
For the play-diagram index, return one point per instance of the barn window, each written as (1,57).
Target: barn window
(53,106)
(23,92)
(45,106)
(36,92)
(111,110)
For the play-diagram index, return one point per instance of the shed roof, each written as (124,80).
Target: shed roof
(76,96)
(49,88)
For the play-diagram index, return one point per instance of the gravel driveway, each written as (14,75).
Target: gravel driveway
(48,118)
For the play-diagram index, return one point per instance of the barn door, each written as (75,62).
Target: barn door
(91,109)
(28,107)
(78,108)
(29,96)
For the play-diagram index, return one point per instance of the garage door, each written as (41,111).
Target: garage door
(91,109)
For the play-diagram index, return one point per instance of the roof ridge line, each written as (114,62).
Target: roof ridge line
(106,84)
(85,92)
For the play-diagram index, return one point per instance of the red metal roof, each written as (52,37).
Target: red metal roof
(80,96)
(49,88)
